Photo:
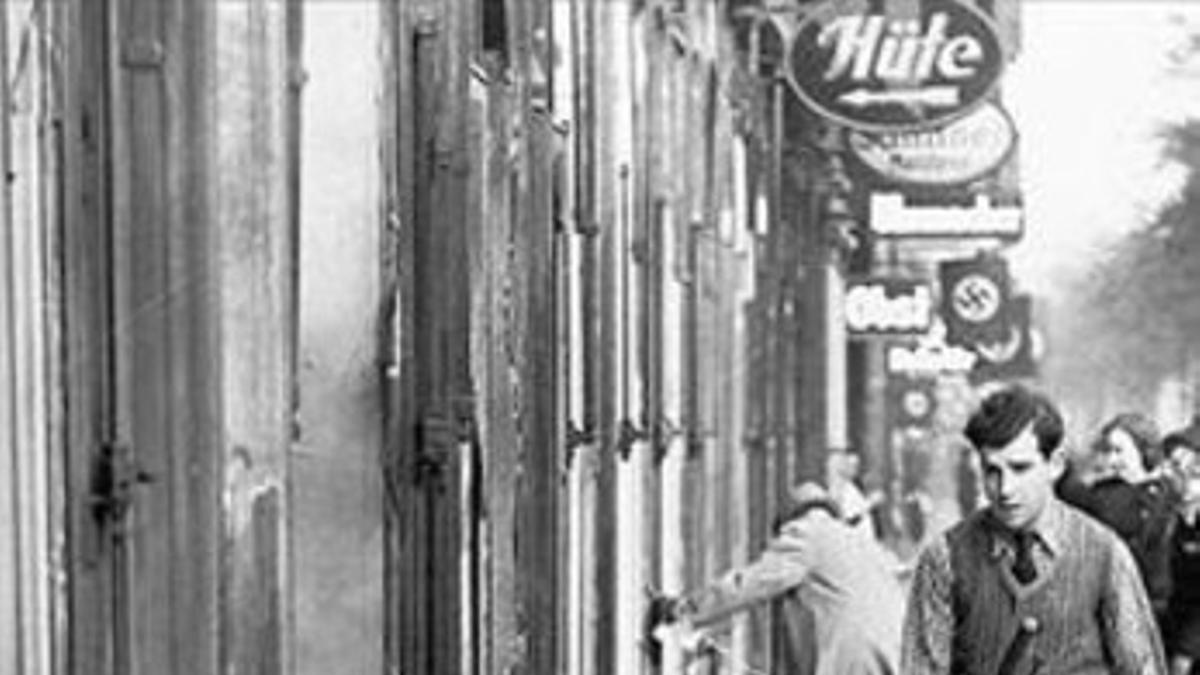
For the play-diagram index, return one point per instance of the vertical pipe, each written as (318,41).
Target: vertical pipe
(835,354)
(293,133)
(118,313)
(876,451)
(589,600)
(673,564)
(650,306)
(12,618)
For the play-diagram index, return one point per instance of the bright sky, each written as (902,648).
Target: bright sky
(1088,93)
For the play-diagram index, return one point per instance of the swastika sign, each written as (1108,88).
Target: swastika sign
(1014,356)
(975,296)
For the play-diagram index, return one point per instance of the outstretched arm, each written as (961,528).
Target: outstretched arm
(784,564)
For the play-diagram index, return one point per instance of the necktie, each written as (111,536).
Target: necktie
(1023,568)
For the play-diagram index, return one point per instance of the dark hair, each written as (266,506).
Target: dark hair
(795,511)
(1187,437)
(1141,429)
(1005,413)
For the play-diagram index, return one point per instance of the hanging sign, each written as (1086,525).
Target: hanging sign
(965,149)
(975,296)
(879,306)
(891,216)
(1012,356)
(912,401)
(929,359)
(910,66)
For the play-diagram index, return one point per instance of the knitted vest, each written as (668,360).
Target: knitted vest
(1058,612)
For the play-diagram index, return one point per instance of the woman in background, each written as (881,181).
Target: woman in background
(1135,496)
(1183,609)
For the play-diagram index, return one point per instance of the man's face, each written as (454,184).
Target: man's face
(1187,465)
(1018,480)
(850,466)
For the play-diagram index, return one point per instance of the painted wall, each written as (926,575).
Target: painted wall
(337,517)
(25,620)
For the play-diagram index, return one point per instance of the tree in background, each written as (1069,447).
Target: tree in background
(1133,319)
(1135,314)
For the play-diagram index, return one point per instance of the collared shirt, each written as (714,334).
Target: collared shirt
(1048,535)
(1077,561)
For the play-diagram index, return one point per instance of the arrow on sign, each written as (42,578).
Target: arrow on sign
(944,97)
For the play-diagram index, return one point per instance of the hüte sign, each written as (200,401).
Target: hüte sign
(887,72)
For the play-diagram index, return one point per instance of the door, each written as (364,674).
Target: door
(29,516)
(139,399)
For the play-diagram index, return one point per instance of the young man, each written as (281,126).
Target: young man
(842,467)
(1027,584)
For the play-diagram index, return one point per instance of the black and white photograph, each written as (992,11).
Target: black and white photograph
(600,337)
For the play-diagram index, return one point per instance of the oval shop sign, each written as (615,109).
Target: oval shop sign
(965,149)
(898,70)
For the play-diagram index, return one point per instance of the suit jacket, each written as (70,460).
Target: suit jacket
(846,581)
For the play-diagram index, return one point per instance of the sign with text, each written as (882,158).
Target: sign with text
(879,306)
(893,66)
(928,359)
(962,151)
(891,217)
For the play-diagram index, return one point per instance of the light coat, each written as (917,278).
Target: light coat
(846,581)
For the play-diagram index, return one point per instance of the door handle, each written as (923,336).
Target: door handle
(115,472)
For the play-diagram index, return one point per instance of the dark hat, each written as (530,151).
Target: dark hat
(1188,437)
(804,498)
(809,494)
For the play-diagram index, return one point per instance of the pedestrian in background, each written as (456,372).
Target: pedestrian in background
(967,478)
(1027,584)
(814,561)
(1136,498)
(842,473)
(1183,607)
